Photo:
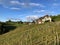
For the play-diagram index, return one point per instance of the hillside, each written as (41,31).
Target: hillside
(44,34)
(56,18)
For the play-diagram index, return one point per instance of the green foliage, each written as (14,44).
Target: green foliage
(20,22)
(56,18)
(4,27)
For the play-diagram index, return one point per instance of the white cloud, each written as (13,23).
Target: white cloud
(31,17)
(14,2)
(24,4)
(14,8)
(36,4)
(17,3)
(56,4)
(39,11)
(49,12)
(44,12)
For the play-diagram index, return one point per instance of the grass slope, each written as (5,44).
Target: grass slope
(44,34)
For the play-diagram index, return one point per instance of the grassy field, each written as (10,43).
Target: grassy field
(44,34)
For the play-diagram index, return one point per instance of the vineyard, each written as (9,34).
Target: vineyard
(44,34)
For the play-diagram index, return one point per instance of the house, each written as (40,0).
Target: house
(38,21)
(43,19)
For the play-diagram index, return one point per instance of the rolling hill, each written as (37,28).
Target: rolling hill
(44,34)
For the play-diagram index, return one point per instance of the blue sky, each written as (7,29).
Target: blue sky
(21,9)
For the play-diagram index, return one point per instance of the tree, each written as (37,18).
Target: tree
(20,22)
(31,18)
(9,21)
